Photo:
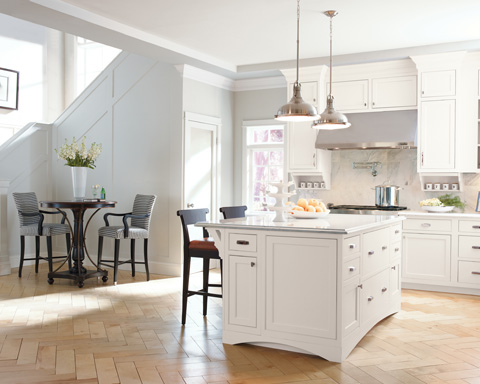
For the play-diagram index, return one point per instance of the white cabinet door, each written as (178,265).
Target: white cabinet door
(350,307)
(301,287)
(350,95)
(438,83)
(395,285)
(394,92)
(375,252)
(242,291)
(302,154)
(437,135)
(426,257)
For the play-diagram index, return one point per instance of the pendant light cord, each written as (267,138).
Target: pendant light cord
(331,34)
(298,36)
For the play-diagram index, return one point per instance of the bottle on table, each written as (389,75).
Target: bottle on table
(102,194)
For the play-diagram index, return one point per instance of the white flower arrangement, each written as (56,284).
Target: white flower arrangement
(431,203)
(79,156)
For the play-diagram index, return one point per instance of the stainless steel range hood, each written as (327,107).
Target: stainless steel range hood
(373,130)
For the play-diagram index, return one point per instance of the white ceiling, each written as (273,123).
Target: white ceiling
(238,36)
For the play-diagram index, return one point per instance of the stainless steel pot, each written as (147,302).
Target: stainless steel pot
(387,195)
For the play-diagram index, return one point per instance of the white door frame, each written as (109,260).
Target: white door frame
(216,123)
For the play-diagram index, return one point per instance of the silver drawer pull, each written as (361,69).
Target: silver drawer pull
(475,273)
(397,231)
(360,286)
(370,298)
(352,246)
(476,226)
(476,246)
(371,252)
(252,264)
(384,289)
(351,269)
(394,267)
(384,248)
(426,225)
(243,242)
(397,249)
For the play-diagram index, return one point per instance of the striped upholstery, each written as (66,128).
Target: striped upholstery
(27,202)
(138,228)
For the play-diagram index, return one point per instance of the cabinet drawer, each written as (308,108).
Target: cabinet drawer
(351,246)
(374,297)
(469,226)
(242,242)
(396,233)
(351,268)
(469,247)
(396,250)
(427,225)
(469,272)
(376,251)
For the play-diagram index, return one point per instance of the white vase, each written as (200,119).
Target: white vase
(79,180)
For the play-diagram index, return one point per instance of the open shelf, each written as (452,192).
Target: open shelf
(441,178)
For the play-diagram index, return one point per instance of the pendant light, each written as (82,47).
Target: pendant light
(297,109)
(331,119)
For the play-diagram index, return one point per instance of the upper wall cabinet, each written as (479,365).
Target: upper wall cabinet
(394,92)
(375,87)
(350,95)
(447,112)
(302,156)
(438,83)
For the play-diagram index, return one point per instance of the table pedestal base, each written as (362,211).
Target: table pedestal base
(79,279)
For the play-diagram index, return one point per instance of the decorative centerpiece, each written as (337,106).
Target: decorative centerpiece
(280,195)
(444,203)
(79,159)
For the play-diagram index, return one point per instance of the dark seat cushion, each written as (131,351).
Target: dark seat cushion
(203,248)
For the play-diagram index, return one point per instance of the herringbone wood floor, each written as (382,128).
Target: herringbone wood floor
(131,333)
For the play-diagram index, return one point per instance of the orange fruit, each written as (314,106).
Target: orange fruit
(310,208)
(313,202)
(319,209)
(302,203)
(298,208)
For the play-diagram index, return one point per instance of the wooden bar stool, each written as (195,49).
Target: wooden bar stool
(205,249)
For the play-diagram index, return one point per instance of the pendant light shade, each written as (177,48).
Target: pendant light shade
(331,119)
(297,109)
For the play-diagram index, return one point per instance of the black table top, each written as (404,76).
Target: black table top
(78,204)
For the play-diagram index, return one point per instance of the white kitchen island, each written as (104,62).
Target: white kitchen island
(312,285)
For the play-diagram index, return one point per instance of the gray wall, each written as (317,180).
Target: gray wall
(252,105)
(216,102)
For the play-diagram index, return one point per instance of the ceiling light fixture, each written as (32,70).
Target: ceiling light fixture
(297,109)
(331,119)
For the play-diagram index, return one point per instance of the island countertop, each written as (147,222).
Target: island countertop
(332,223)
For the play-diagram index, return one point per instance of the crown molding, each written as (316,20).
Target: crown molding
(206,77)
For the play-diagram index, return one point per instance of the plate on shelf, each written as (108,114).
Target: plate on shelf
(308,215)
(437,208)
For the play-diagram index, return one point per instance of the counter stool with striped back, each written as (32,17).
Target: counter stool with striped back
(233,211)
(32,224)
(139,228)
(204,249)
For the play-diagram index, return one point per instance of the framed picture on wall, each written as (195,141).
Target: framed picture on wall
(8,89)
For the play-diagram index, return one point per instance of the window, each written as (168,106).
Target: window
(92,58)
(264,162)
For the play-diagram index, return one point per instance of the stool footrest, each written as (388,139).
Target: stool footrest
(203,293)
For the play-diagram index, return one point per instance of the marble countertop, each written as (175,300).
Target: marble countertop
(333,223)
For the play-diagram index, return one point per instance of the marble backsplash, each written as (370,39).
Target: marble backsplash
(399,167)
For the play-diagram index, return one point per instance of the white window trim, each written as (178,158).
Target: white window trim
(258,123)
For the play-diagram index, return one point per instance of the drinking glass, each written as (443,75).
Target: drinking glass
(95,190)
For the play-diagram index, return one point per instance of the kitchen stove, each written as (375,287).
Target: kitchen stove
(365,209)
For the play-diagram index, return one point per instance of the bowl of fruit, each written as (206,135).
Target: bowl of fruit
(307,209)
